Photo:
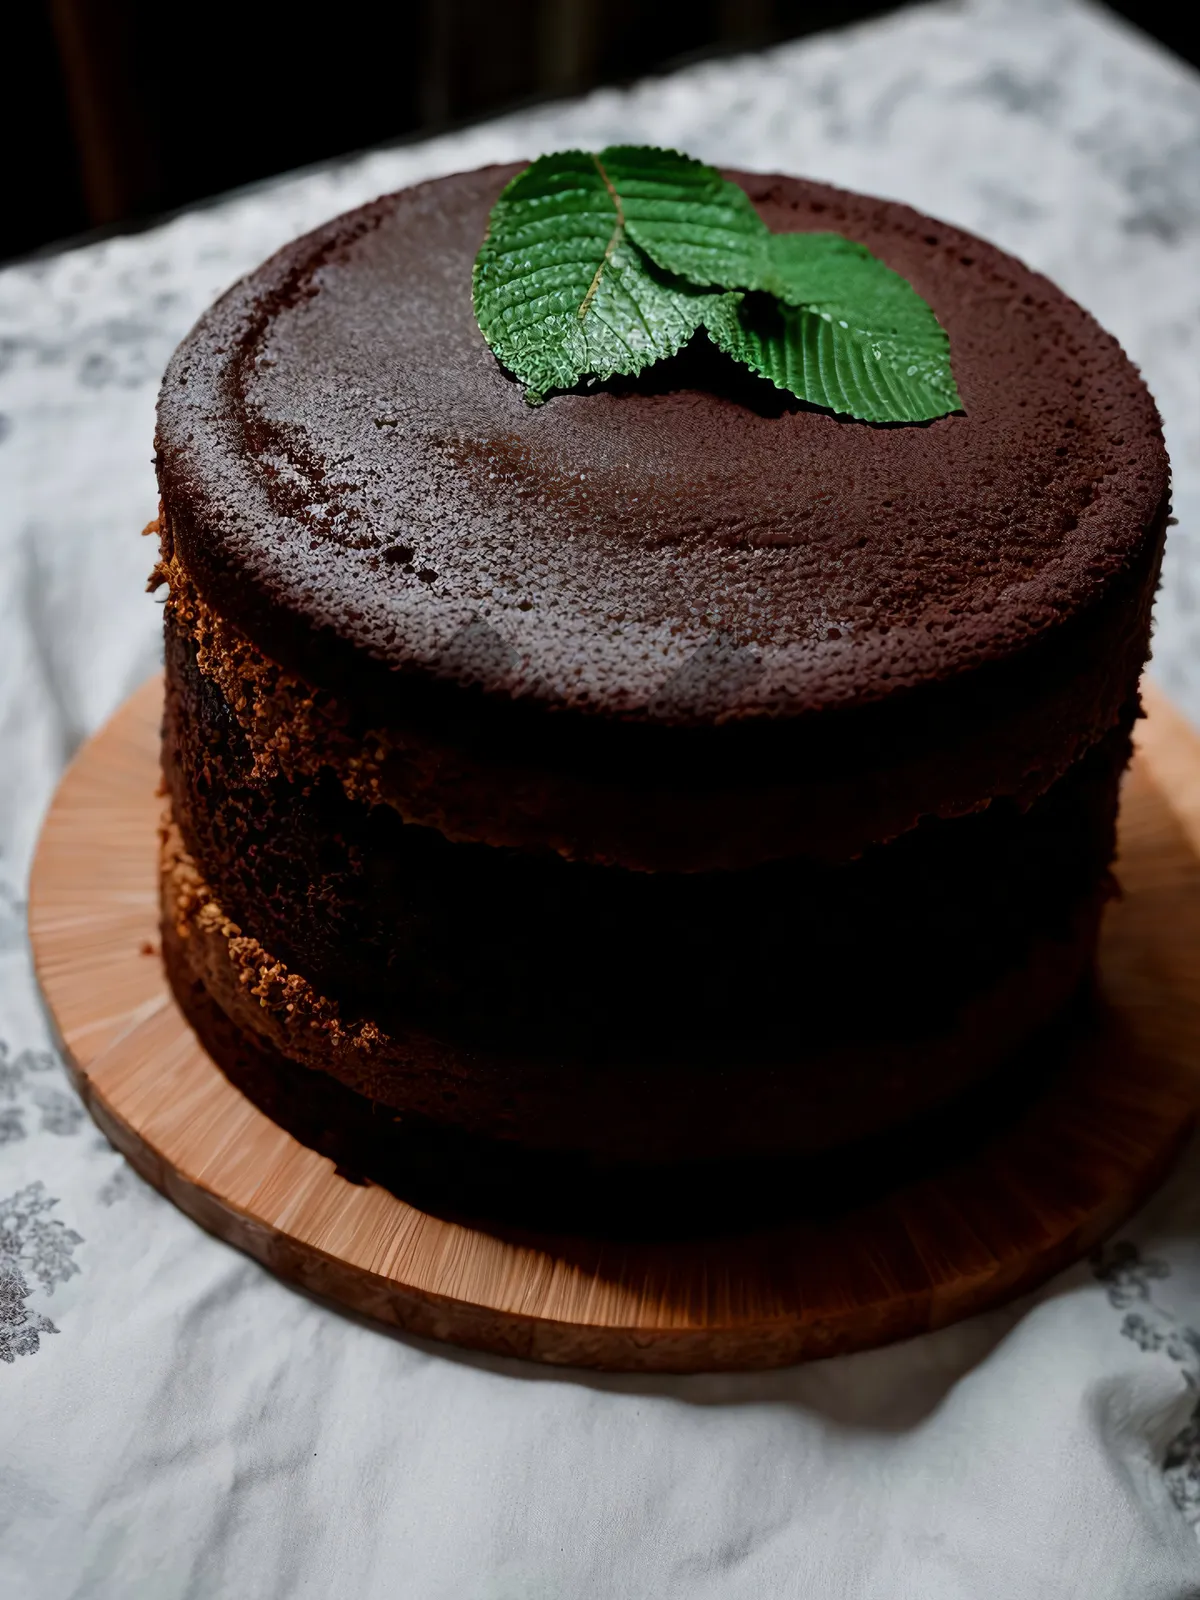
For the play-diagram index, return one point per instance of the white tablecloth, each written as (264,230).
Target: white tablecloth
(174,1422)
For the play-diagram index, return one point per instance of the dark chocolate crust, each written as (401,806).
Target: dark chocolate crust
(678,622)
(341,403)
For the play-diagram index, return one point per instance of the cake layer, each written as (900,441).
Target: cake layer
(695,800)
(443,1168)
(675,623)
(648,1114)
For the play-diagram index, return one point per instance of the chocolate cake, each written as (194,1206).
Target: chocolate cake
(670,779)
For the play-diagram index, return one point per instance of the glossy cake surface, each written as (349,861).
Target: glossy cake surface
(538,770)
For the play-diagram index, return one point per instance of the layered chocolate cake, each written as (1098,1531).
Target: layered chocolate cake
(670,779)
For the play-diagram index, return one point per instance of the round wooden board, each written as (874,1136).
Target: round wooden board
(974,1234)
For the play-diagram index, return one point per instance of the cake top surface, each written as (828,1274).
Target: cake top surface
(343,460)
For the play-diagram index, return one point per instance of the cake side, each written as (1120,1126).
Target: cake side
(485,944)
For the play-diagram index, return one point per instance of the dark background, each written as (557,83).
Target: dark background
(116,111)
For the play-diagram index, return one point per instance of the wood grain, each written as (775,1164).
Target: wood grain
(990,1226)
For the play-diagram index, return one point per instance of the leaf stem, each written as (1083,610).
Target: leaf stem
(612,243)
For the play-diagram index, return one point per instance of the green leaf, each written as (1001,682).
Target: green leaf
(887,358)
(686,217)
(596,265)
(561,292)
(840,329)
(844,283)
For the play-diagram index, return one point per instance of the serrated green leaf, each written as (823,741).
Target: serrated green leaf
(561,292)
(689,220)
(880,313)
(840,329)
(599,265)
(857,293)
